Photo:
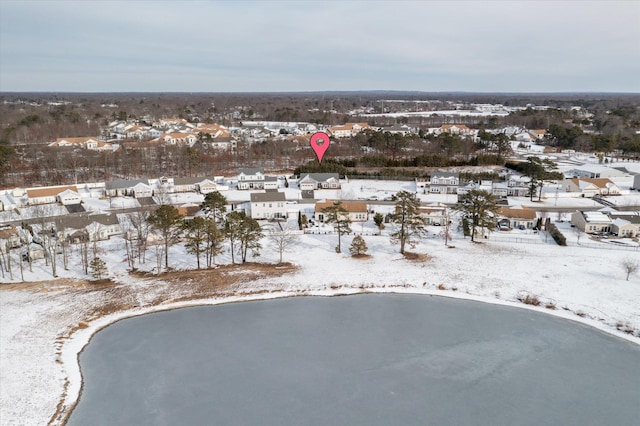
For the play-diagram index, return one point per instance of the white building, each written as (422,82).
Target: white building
(268,205)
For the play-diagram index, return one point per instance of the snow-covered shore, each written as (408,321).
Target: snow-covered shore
(45,326)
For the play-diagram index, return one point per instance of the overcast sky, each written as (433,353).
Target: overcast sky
(220,46)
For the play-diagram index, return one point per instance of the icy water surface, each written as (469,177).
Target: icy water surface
(357,360)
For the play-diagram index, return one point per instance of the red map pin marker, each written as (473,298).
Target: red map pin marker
(319,142)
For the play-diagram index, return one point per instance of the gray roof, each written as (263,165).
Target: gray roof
(633,218)
(81,221)
(251,171)
(261,197)
(124,183)
(266,179)
(321,177)
(445,174)
(187,180)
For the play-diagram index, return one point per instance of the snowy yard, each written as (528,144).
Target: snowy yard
(44,325)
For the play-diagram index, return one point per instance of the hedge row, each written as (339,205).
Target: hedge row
(556,234)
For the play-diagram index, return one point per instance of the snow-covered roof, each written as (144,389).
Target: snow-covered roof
(596,217)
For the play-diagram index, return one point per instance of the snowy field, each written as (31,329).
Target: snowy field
(44,326)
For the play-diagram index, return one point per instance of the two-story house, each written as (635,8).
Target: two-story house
(253,178)
(444,182)
(347,130)
(268,205)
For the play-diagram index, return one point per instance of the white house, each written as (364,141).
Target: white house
(268,205)
(142,190)
(90,143)
(625,224)
(587,187)
(348,130)
(312,181)
(178,138)
(186,184)
(87,227)
(594,171)
(47,195)
(444,182)
(255,179)
(68,197)
(206,186)
(591,222)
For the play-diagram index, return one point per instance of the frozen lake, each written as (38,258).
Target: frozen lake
(357,360)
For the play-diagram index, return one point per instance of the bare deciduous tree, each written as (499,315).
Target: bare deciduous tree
(141,227)
(446,231)
(630,266)
(282,238)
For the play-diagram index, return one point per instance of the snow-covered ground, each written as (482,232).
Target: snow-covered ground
(44,326)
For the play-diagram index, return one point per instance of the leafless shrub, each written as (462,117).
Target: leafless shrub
(529,300)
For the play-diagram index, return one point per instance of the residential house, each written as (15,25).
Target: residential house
(186,184)
(7,201)
(222,144)
(68,197)
(87,227)
(357,210)
(587,187)
(135,131)
(178,138)
(400,129)
(538,134)
(47,195)
(9,238)
(142,190)
(255,179)
(444,182)
(518,186)
(122,187)
(313,181)
(90,143)
(165,123)
(435,214)
(454,129)
(510,218)
(188,211)
(625,224)
(206,186)
(347,130)
(591,222)
(212,131)
(268,205)
(594,171)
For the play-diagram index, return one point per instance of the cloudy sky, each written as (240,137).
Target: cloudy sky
(225,46)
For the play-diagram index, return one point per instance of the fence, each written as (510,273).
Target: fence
(541,240)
